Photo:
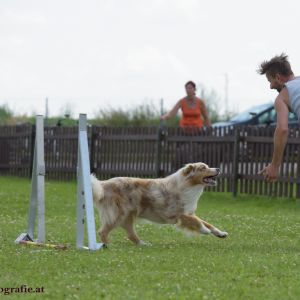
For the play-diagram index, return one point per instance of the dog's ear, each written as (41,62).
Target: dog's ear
(188,169)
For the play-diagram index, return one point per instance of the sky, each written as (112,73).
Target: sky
(88,55)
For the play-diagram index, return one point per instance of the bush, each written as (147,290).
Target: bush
(5,114)
(142,115)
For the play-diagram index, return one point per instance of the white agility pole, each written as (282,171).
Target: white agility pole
(37,197)
(85,209)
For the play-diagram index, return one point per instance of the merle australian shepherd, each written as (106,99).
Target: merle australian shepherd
(170,200)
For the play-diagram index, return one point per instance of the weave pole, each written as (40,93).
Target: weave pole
(37,196)
(85,209)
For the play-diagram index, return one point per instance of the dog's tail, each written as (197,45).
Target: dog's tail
(97,188)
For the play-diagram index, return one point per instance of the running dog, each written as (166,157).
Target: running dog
(170,200)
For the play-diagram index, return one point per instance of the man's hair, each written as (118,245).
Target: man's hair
(192,83)
(279,64)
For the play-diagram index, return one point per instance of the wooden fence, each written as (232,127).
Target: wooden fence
(155,152)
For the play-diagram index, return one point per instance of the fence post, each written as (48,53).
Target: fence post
(160,136)
(92,147)
(298,173)
(235,162)
(32,146)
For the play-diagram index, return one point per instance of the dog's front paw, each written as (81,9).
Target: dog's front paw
(222,234)
(143,244)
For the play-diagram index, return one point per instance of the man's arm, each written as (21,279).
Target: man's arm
(280,136)
(281,131)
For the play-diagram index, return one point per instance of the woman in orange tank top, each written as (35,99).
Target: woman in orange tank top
(194,113)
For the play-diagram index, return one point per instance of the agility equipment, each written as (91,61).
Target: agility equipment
(84,191)
(85,210)
(37,196)
(25,239)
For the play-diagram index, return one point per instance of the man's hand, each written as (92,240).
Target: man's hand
(270,172)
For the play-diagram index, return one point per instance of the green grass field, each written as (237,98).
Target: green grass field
(259,260)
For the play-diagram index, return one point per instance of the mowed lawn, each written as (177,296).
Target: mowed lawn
(260,259)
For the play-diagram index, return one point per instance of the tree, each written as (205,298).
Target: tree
(213,103)
(5,114)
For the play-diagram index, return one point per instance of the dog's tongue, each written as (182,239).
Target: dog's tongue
(210,180)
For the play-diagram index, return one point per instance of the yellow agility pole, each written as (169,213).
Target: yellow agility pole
(53,246)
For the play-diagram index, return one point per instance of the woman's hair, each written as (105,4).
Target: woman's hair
(279,64)
(192,83)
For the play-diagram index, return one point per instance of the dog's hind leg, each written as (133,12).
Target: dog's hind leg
(192,223)
(128,225)
(104,231)
(215,231)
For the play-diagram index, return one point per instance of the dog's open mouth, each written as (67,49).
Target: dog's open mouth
(211,180)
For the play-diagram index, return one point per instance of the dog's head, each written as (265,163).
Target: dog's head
(200,173)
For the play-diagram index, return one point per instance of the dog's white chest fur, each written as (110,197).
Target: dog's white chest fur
(191,197)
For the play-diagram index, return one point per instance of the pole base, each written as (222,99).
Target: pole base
(25,237)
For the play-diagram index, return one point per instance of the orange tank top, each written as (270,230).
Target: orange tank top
(191,116)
